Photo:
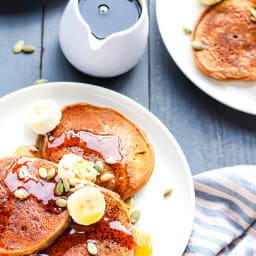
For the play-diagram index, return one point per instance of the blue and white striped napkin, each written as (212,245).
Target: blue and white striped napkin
(225,219)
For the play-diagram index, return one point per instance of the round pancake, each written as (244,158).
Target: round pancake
(228,35)
(113,234)
(96,133)
(27,225)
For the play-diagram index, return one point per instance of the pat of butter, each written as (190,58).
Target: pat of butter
(76,170)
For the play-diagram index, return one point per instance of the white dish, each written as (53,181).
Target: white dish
(168,220)
(172,16)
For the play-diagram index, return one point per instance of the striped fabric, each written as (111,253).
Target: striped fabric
(225,219)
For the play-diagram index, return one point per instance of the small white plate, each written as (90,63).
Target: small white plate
(168,220)
(172,16)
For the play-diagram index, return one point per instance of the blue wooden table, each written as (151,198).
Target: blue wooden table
(210,134)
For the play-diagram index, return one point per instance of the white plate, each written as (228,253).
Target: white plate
(172,16)
(169,221)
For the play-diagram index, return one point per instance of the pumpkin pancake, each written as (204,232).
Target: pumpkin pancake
(112,235)
(30,224)
(228,35)
(98,133)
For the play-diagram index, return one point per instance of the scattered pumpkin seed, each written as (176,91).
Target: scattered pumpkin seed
(59,188)
(99,166)
(28,48)
(17,48)
(107,177)
(197,46)
(253,12)
(92,249)
(168,192)
(110,160)
(41,81)
(61,202)
(66,185)
(135,216)
(21,194)
(33,149)
(51,174)
(43,173)
(21,174)
(187,30)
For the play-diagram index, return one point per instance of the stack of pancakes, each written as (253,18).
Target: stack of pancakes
(33,226)
(227,32)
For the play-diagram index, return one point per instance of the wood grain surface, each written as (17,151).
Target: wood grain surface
(210,134)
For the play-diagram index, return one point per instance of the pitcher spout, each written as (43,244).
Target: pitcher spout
(95,43)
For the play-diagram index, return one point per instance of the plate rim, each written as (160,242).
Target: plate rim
(144,110)
(188,76)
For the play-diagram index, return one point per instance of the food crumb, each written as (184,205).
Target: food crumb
(168,192)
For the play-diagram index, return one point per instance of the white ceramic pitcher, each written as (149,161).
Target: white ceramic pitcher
(112,56)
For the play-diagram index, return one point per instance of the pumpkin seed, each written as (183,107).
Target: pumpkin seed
(21,194)
(43,173)
(135,216)
(99,166)
(59,188)
(253,12)
(106,177)
(92,249)
(66,185)
(110,160)
(17,48)
(51,174)
(61,202)
(187,30)
(28,48)
(197,46)
(168,192)
(41,81)
(21,174)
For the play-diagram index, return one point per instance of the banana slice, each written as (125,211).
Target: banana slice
(210,2)
(43,116)
(86,206)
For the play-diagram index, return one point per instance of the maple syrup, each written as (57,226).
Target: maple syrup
(43,191)
(92,147)
(106,17)
(108,229)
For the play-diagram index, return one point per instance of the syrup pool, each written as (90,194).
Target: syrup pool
(106,17)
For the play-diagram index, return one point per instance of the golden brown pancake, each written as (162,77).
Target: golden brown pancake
(97,133)
(28,225)
(112,235)
(229,37)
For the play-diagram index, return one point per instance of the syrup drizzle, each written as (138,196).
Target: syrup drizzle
(43,191)
(107,229)
(92,147)
(89,145)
